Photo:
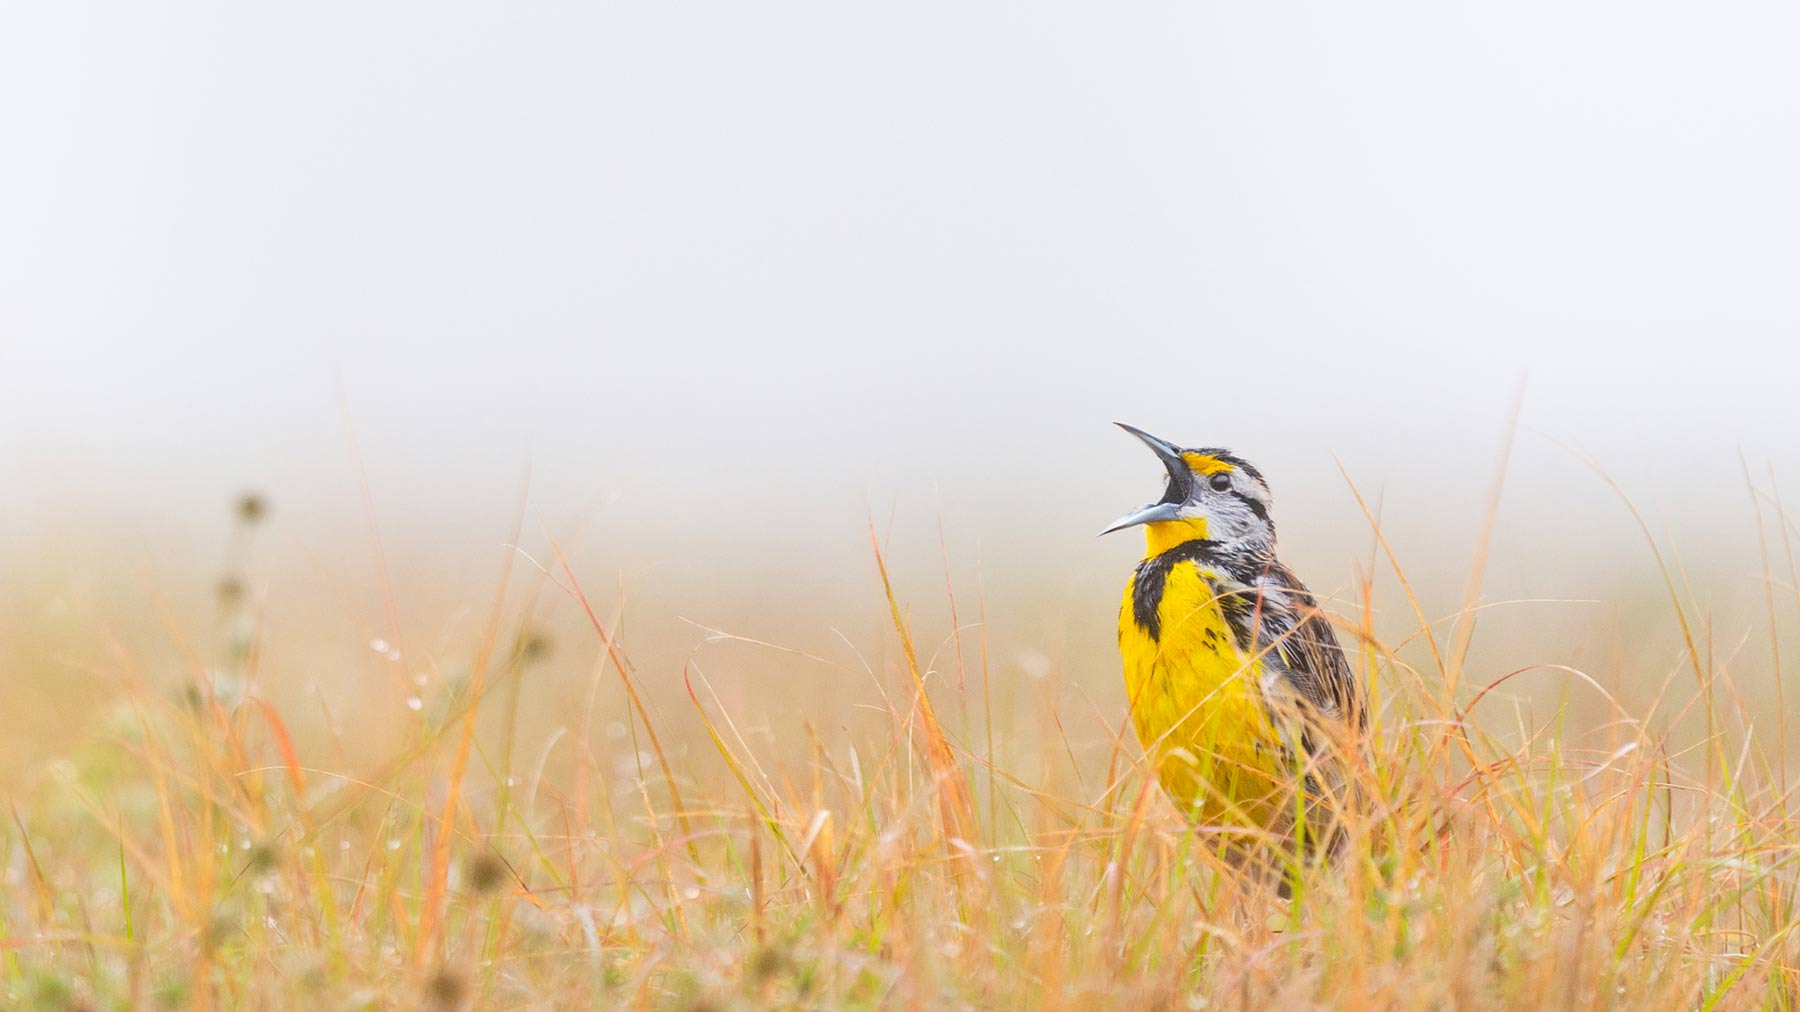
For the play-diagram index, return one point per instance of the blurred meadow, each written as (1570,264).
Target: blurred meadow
(373,776)
(593,506)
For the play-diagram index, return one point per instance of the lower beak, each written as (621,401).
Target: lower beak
(1148,515)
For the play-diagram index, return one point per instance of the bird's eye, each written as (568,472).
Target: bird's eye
(1221,482)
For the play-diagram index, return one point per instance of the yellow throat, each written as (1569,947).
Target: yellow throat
(1161,536)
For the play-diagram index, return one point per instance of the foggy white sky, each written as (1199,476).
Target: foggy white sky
(754,266)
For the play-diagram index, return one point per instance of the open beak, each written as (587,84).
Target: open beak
(1181,481)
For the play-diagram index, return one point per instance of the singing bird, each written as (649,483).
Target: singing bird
(1238,687)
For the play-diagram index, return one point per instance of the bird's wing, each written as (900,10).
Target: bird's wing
(1275,616)
(1309,650)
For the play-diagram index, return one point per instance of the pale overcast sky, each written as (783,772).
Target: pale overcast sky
(756,264)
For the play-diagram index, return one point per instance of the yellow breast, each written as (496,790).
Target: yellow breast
(1197,705)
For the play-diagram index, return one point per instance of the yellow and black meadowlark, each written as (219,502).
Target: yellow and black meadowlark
(1239,690)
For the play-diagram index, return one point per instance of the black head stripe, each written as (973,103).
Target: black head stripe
(1255,506)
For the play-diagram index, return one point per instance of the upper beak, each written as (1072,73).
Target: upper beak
(1180,483)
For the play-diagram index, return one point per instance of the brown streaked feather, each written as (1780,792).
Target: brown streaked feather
(1274,615)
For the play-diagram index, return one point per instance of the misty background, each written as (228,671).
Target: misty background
(727,280)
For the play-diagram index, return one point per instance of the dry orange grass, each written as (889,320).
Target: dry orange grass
(196,856)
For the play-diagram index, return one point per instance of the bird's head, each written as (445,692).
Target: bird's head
(1211,493)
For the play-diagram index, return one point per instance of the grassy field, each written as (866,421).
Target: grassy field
(207,848)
